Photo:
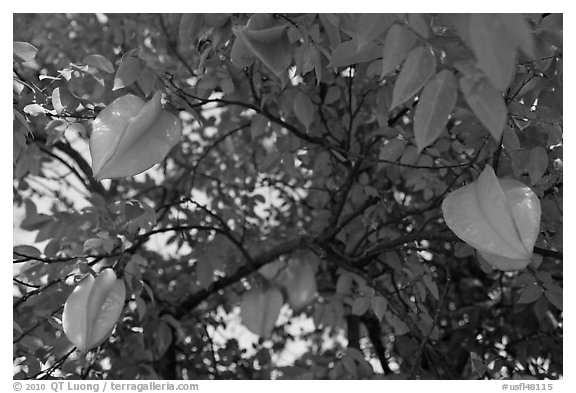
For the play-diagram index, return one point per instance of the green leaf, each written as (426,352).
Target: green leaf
(400,328)
(344,284)
(519,32)
(494,50)
(34,109)
(299,279)
(434,107)
(147,81)
(419,24)
(478,365)
(330,24)
(409,156)
(520,160)
(510,140)
(24,51)
(487,104)
(128,72)
(379,305)
(554,294)
(530,293)
(370,26)
(77,127)
(240,55)
(398,43)
(63,100)
(162,339)
(431,285)
(332,95)
(537,164)
(420,65)
(304,109)
(204,273)
(360,305)
(189,29)
(392,150)
(259,125)
(350,366)
(97,244)
(17,115)
(259,310)
(26,250)
(100,62)
(264,39)
(55,131)
(348,53)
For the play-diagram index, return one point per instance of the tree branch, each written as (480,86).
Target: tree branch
(193,300)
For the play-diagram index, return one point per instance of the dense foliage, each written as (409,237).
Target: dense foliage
(308,181)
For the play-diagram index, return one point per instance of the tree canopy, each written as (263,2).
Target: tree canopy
(288,196)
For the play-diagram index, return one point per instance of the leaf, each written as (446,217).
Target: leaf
(398,43)
(530,294)
(332,95)
(360,305)
(304,109)
(264,39)
(510,140)
(97,244)
(434,107)
(34,221)
(392,150)
(34,109)
(299,280)
(350,366)
(63,100)
(400,328)
(315,61)
(477,364)
(25,250)
(494,50)
(419,24)
(420,65)
(487,104)
(92,309)
(431,285)
(520,160)
(348,53)
(147,81)
(370,26)
(344,284)
(204,273)
(259,310)
(77,127)
(554,294)
(259,125)
(127,72)
(163,338)
(240,55)
(130,136)
(23,122)
(99,62)
(24,51)
(330,25)
(537,164)
(498,217)
(519,32)
(189,28)
(379,305)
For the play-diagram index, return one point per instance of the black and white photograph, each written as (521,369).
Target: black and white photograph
(205,197)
